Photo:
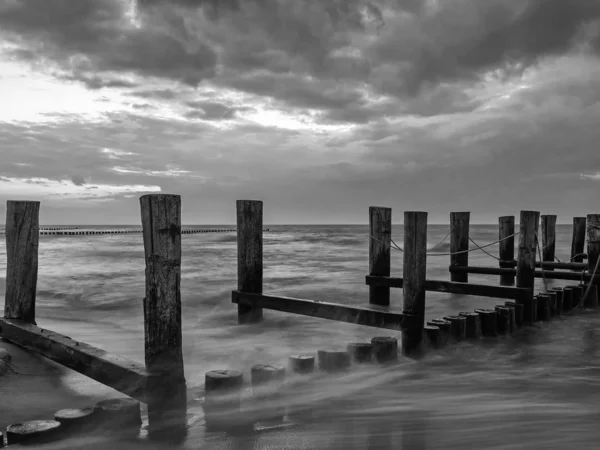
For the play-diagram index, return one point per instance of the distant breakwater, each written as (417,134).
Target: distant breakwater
(79,231)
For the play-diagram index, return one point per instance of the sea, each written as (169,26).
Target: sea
(536,389)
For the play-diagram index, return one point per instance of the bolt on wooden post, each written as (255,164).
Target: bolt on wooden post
(166,390)
(578,242)
(506,230)
(380,236)
(548,239)
(414,273)
(528,226)
(22,241)
(250,256)
(459,244)
(593,244)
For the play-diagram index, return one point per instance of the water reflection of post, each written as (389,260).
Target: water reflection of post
(415,431)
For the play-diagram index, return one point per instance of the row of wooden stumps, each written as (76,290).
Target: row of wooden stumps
(510,316)
(120,415)
(224,405)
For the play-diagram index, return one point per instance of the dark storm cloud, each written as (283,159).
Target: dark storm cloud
(78,180)
(97,35)
(300,52)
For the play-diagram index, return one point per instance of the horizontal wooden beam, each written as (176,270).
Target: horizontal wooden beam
(370,317)
(454,287)
(562,265)
(538,273)
(123,375)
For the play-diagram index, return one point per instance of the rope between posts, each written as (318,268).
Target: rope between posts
(483,250)
(478,247)
(473,249)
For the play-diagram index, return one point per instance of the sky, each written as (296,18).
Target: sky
(319,108)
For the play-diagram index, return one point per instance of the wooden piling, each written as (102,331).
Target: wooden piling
(333,360)
(385,349)
(267,382)
(577,295)
(459,242)
(414,272)
(301,364)
(360,352)
(567,299)
(559,299)
(166,390)
(250,256)
(518,307)
(503,319)
(22,240)
(548,239)
(506,228)
(543,307)
(553,301)
(433,336)
(528,227)
(473,324)
(458,328)
(380,230)
(593,243)
(511,315)
(444,326)
(488,320)
(578,242)
(222,398)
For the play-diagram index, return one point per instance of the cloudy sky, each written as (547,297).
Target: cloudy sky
(319,108)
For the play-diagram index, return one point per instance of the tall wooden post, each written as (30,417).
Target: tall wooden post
(459,242)
(380,236)
(22,240)
(166,390)
(548,239)
(593,243)
(250,256)
(414,273)
(529,224)
(506,228)
(578,243)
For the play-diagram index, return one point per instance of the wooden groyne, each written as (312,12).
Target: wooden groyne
(160,381)
(89,232)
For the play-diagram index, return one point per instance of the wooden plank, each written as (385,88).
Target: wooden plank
(127,377)
(22,240)
(578,242)
(380,236)
(506,228)
(562,265)
(548,238)
(453,287)
(167,392)
(537,273)
(414,271)
(250,256)
(459,242)
(593,242)
(368,316)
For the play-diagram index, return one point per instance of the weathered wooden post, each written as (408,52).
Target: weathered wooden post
(528,226)
(414,273)
(166,394)
(459,242)
(578,243)
(593,244)
(22,240)
(506,228)
(380,229)
(548,239)
(250,256)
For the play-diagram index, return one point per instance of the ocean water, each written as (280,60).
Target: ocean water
(539,388)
